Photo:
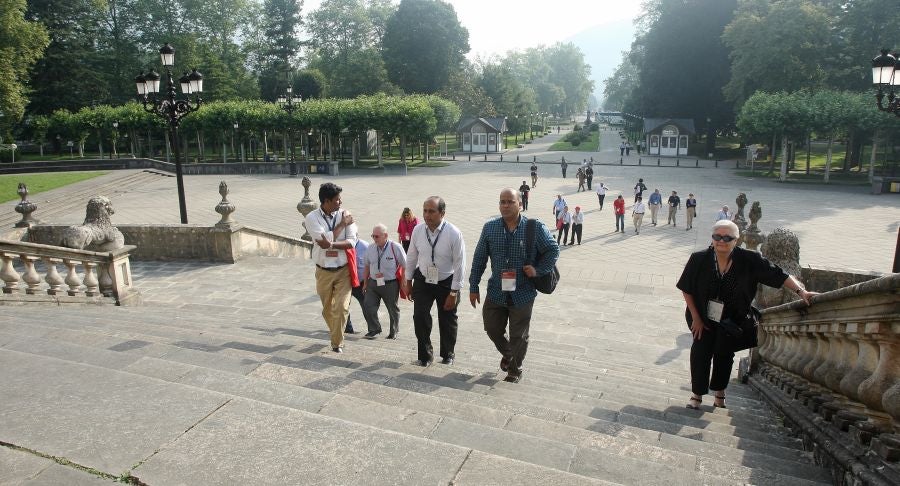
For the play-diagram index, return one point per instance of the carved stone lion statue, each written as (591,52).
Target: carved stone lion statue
(97,232)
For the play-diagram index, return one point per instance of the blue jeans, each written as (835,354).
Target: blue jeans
(620,222)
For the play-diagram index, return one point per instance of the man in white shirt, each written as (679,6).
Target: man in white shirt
(333,232)
(383,258)
(601,194)
(563,231)
(577,223)
(637,214)
(436,263)
(558,205)
(724,214)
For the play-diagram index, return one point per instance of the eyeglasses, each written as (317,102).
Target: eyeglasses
(507,201)
(376,236)
(725,238)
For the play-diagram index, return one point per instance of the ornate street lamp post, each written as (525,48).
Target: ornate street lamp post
(289,103)
(885,77)
(170,108)
(115,139)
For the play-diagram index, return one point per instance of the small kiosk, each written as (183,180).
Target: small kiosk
(668,136)
(483,135)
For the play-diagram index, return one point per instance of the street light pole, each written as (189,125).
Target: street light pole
(171,109)
(289,103)
(115,139)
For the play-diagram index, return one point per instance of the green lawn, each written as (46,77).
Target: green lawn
(589,145)
(40,182)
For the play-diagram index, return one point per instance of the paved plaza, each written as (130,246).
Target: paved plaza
(838,226)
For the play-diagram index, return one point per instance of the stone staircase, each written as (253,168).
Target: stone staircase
(206,384)
(76,196)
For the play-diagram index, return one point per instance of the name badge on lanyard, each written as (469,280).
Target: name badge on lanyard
(714,310)
(431,274)
(331,256)
(379,279)
(508,280)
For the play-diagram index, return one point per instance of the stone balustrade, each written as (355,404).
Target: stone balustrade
(840,356)
(31,272)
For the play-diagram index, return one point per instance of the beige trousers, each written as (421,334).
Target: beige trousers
(334,291)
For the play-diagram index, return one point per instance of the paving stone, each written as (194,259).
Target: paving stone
(248,442)
(487,470)
(100,418)
(387,417)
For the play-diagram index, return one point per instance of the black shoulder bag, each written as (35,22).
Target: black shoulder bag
(544,284)
(737,334)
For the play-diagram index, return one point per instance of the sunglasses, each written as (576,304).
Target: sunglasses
(725,238)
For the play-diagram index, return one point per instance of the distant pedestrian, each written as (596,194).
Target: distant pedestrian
(407,223)
(577,224)
(639,189)
(655,203)
(674,204)
(619,211)
(627,149)
(637,215)
(622,148)
(533,174)
(601,194)
(563,165)
(564,217)
(589,172)
(581,178)
(523,195)
(724,214)
(690,207)
(558,206)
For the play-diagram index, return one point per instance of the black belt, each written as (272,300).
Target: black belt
(331,269)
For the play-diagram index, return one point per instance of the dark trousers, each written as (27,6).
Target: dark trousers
(405,244)
(620,222)
(563,233)
(426,295)
(357,293)
(564,172)
(576,231)
(525,202)
(496,317)
(601,197)
(702,357)
(589,179)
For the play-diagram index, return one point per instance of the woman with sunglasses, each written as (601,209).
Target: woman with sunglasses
(718,283)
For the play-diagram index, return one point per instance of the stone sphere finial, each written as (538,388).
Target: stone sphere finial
(225,208)
(25,208)
(306,206)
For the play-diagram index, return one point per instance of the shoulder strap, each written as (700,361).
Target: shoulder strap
(529,240)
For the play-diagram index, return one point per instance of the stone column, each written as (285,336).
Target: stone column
(306,206)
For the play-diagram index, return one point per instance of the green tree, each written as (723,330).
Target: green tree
(464,90)
(571,73)
(619,88)
(777,46)
(309,84)
(423,43)
(279,45)
(21,45)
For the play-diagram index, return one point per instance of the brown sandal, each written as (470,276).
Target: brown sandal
(716,399)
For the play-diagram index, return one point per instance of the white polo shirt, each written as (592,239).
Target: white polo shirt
(319,224)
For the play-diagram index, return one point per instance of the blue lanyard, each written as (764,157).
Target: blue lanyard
(381,254)
(325,219)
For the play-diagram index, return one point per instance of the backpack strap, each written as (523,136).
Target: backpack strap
(529,241)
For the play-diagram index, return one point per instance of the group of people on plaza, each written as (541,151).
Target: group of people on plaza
(427,267)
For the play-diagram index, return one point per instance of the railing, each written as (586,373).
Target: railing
(840,356)
(89,276)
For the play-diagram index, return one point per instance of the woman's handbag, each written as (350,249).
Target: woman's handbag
(733,336)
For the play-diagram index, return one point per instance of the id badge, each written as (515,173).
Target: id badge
(431,275)
(379,279)
(714,310)
(508,280)
(331,257)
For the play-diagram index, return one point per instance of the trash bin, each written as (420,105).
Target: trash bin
(877,185)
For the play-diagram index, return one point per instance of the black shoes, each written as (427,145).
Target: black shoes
(392,336)
(423,363)
(447,361)
(338,350)
(504,364)
(372,334)
(349,330)
(512,377)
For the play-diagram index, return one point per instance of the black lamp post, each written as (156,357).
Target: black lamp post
(289,103)
(170,108)
(885,77)
(115,139)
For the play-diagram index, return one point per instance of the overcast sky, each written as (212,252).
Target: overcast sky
(497,26)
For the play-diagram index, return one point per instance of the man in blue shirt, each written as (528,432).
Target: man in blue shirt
(510,293)
(655,204)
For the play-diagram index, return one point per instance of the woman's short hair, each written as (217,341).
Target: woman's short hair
(733,228)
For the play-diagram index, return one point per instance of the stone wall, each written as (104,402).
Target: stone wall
(191,242)
(303,167)
(825,279)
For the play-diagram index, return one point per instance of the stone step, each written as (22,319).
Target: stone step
(226,440)
(73,198)
(510,442)
(608,386)
(339,367)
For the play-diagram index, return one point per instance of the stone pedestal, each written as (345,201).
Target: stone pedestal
(225,208)
(306,206)
(25,208)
